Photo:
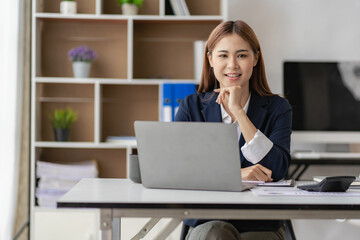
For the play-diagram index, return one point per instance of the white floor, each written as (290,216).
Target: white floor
(326,229)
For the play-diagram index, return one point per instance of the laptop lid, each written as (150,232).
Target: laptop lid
(188,155)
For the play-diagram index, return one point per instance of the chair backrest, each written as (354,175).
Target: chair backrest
(289,231)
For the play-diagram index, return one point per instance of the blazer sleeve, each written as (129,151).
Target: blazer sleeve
(278,158)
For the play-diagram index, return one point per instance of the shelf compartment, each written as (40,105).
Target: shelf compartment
(164,49)
(83,6)
(111,162)
(107,37)
(80,97)
(149,7)
(204,7)
(123,104)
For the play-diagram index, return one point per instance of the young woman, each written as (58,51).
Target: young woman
(234,90)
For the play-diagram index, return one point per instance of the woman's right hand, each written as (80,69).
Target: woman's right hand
(256,172)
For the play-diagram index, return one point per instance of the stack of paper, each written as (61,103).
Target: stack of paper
(56,179)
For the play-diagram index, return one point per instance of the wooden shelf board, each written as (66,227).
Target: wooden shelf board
(103,145)
(66,99)
(65,80)
(126,17)
(119,81)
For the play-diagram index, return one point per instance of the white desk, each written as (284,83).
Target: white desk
(121,198)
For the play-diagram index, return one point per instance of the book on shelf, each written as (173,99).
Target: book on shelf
(168,8)
(55,179)
(184,7)
(199,51)
(179,7)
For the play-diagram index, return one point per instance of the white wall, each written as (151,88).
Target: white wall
(305,30)
(301,30)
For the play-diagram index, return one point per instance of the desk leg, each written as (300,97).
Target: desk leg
(146,228)
(168,229)
(106,224)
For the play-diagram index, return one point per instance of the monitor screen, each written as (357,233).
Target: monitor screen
(325,96)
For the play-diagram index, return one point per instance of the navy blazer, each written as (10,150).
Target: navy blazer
(271,115)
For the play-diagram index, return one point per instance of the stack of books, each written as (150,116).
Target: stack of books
(55,179)
(179,7)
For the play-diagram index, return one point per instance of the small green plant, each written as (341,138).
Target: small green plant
(63,118)
(136,2)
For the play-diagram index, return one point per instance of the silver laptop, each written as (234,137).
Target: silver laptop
(189,155)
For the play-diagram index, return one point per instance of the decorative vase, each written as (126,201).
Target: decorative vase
(129,9)
(81,69)
(68,7)
(61,135)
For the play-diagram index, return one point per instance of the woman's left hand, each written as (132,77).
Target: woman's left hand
(256,172)
(231,96)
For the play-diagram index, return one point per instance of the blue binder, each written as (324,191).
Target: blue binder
(181,90)
(172,93)
(167,105)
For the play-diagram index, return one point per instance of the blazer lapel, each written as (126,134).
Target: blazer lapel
(257,112)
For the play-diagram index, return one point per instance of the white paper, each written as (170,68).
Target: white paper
(281,183)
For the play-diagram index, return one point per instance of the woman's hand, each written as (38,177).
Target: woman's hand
(256,173)
(231,96)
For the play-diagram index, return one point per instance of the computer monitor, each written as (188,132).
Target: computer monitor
(325,97)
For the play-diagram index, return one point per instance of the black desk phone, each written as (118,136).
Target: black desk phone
(330,184)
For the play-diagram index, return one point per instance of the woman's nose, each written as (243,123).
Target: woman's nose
(232,63)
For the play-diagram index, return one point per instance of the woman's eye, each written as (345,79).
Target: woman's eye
(223,56)
(242,55)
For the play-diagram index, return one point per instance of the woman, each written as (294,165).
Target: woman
(234,90)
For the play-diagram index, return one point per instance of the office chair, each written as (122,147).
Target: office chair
(289,231)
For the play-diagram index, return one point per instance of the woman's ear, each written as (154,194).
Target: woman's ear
(209,56)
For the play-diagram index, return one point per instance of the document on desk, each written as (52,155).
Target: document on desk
(293,191)
(281,183)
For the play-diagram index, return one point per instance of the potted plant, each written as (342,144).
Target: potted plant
(82,57)
(130,7)
(62,119)
(68,7)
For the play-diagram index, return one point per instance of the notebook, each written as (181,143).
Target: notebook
(189,155)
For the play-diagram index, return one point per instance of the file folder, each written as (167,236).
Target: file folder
(167,102)
(172,93)
(181,90)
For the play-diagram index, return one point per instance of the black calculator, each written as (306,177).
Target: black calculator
(330,184)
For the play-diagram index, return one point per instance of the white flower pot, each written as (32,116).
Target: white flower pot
(68,7)
(81,69)
(129,9)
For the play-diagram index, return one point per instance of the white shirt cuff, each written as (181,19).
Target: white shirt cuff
(257,148)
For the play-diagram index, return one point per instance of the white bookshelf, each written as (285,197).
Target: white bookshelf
(117,92)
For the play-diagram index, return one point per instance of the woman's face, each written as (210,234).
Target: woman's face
(233,60)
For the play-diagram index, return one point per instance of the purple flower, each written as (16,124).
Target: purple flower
(82,54)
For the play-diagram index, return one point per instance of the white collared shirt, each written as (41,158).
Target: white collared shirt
(258,147)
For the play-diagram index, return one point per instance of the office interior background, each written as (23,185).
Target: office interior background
(300,30)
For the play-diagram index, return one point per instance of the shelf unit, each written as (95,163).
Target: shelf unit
(136,54)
